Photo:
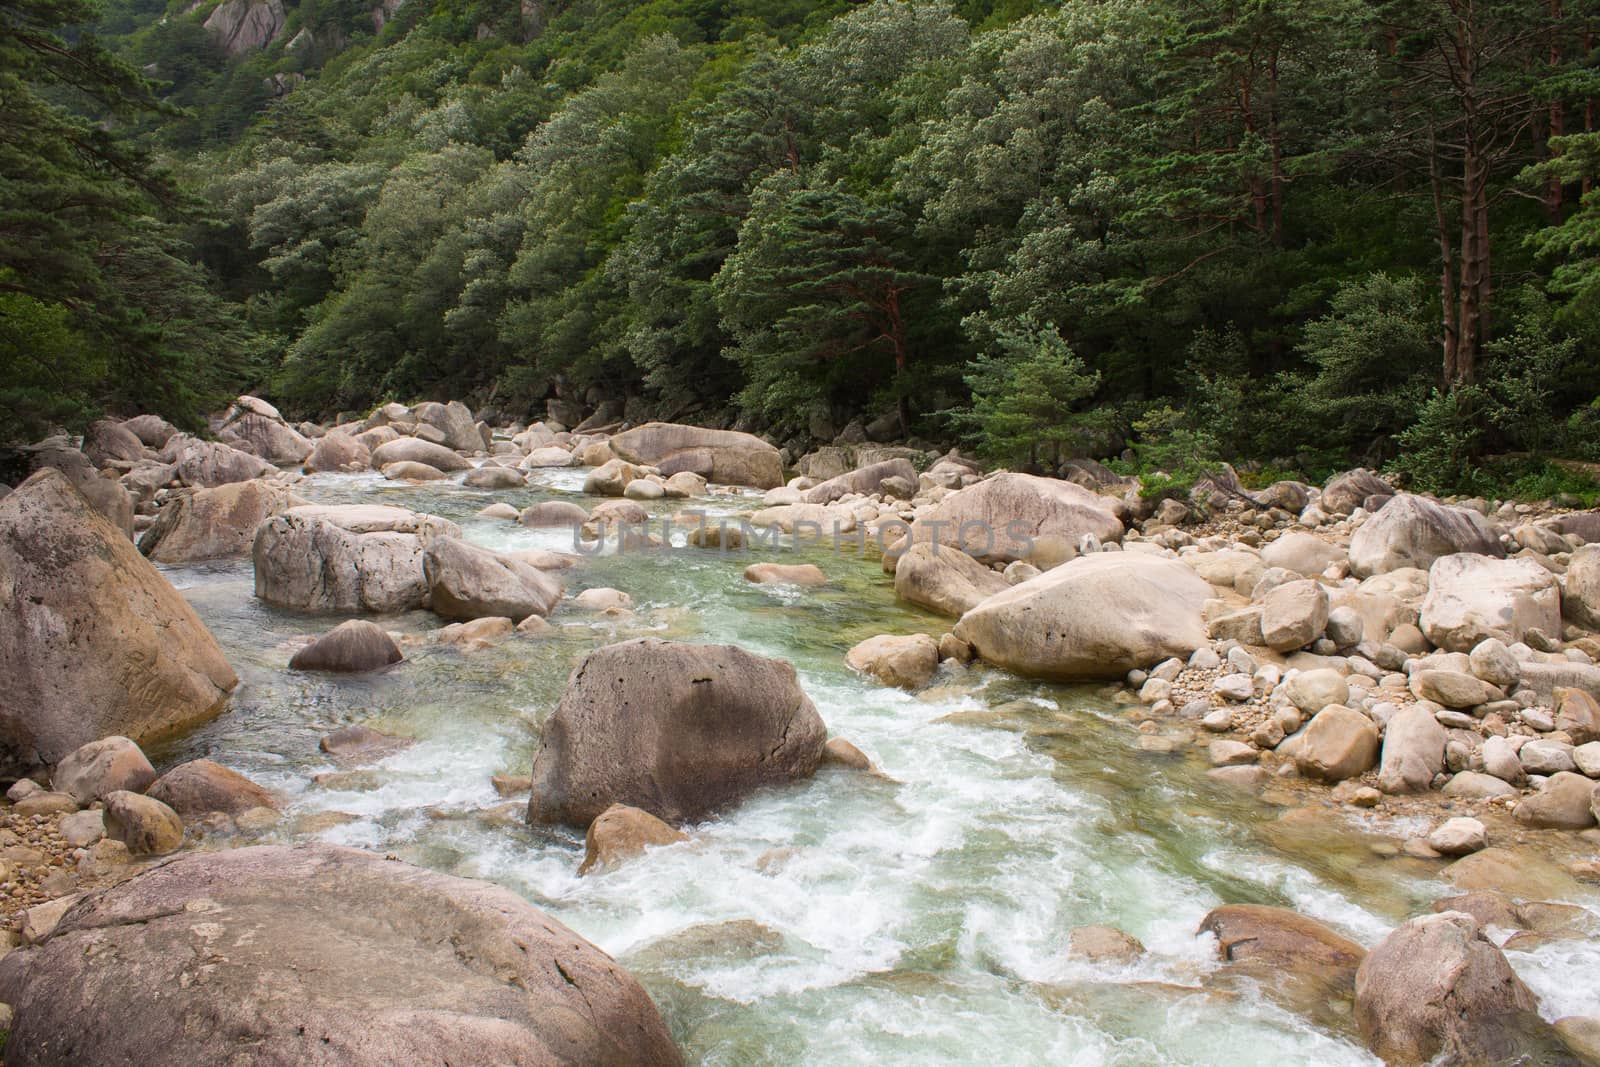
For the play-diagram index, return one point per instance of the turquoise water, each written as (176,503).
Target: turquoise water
(921,916)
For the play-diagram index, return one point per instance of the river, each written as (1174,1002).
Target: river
(917,917)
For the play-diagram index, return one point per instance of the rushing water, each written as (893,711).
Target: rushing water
(919,917)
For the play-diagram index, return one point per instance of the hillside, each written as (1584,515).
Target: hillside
(1046,232)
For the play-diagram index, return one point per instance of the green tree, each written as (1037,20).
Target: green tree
(1028,398)
(818,300)
(88,256)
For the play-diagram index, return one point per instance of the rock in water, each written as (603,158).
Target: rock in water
(678,730)
(724,456)
(620,833)
(1296,957)
(487,477)
(202,786)
(945,580)
(416,450)
(93,640)
(468,582)
(199,524)
(908,661)
(1412,531)
(1438,985)
(1098,616)
(354,646)
(349,559)
(338,451)
(1014,516)
(321,955)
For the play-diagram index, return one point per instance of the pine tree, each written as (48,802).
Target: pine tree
(102,305)
(1027,397)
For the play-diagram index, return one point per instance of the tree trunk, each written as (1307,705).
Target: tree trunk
(1276,138)
(1553,190)
(1447,285)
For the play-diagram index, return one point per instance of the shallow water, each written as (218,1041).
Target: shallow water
(918,917)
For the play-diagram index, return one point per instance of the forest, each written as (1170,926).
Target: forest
(1294,235)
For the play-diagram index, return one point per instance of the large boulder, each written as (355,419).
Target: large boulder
(353,646)
(1346,492)
(1098,616)
(1563,802)
(145,825)
(1012,516)
(208,464)
(1293,615)
(151,430)
(945,580)
(1438,987)
(1338,743)
(1303,553)
(1413,531)
(201,786)
(1472,598)
(111,442)
(678,730)
(269,438)
(907,660)
(320,955)
(100,768)
(867,479)
(1413,751)
(1275,941)
(466,581)
(93,640)
(338,451)
(724,456)
(416,450)
(345,559)
(1582,601)
(454,421)
(199,524)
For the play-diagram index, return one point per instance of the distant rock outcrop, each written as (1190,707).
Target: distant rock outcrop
(242,26)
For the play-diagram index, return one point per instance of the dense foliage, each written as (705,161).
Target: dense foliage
(1304,232)
(101,301)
